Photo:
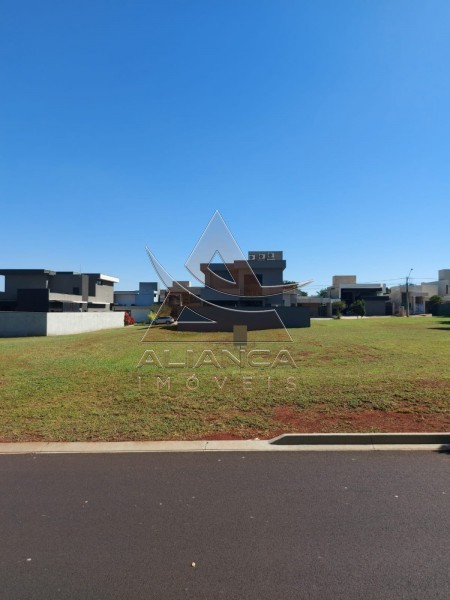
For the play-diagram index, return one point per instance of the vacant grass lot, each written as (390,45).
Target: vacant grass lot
(381,374)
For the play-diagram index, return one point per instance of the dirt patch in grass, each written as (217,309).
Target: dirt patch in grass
(312,421)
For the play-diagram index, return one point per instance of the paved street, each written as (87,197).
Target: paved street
(324,525)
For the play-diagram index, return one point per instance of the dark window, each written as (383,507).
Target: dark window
(76,291)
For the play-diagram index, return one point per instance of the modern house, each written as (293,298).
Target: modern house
(346,288)
(253,289)
(257,282)
(46,302)
(138,302)
(43,290)
(418,295)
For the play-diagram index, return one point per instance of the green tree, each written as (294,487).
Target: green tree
(433,304)
(338,308)
(323,293)
(358,307)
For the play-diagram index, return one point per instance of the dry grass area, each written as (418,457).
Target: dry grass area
(385,374)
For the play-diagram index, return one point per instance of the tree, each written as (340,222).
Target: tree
(433,304)
(338,308)
(358,307)
(292,283)
(323,293)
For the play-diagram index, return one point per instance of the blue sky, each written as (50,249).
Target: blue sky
(319,128)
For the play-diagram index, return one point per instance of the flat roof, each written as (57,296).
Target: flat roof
(104,277)
(51,272)
(27,272)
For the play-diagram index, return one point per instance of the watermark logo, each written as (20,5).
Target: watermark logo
(233,299)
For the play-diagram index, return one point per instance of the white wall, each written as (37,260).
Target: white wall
(66,323)
(24,324)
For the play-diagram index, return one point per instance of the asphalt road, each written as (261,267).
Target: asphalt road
(325,525)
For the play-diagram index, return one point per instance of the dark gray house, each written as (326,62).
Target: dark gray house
(43,290)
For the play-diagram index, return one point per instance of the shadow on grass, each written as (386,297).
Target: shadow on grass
(446,328)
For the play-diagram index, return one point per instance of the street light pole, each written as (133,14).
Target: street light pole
(407,292)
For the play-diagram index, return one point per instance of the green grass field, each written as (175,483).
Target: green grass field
(384,374)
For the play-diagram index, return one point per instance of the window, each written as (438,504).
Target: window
(2,283)
(76,291)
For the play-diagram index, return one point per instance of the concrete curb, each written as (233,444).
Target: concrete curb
(287,443)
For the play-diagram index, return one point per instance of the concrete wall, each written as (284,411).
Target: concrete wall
(443,310)
(67,323)
(256,320)
(24,324)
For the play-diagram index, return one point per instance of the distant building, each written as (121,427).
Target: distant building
(44,302)
(257,282)
(418,295)
(346,288)
(43,290)
(138,302)
(444,284)
(318,307)
(251,288)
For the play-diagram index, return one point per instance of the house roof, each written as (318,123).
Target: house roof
(27,272)
(50,272)
(104,277)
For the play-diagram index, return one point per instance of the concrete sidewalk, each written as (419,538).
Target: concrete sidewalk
(285,443)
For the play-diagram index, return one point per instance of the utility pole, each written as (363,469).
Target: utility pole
(407,291)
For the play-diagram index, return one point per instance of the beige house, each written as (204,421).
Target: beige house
(420,294)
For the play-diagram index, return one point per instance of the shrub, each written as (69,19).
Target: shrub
(338,308)
(127,318)
(358,308)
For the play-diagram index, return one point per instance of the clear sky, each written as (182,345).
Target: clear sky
(318,128)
